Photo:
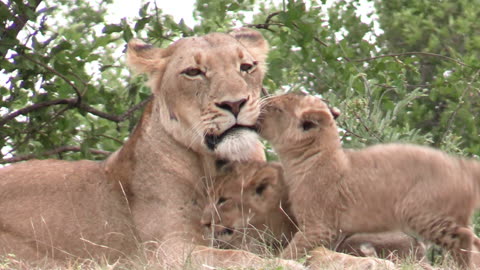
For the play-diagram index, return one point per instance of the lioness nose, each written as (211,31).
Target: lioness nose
(232,106)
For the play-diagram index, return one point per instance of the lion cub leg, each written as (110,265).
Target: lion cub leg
(449,235)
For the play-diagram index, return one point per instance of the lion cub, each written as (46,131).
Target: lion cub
(245,209)
(249,210)
(336,192)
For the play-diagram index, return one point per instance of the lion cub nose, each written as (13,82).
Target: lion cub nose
(206,221)
(232,106)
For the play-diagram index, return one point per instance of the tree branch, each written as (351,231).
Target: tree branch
(19,20)
(75,88)
(73,102)
(112,117)
(459,105)
(410,53)
(267,23)
(34,107)
(55,151)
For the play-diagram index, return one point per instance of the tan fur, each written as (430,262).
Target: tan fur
(338,192)
(322,258)
(249,209)
(152,189)
(246,209)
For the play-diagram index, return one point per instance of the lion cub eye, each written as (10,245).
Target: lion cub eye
(274,109)
(246,67)
(192,72)
(307,125)
(221,200)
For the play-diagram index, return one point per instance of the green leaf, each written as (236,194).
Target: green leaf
(64,45)
(112,28)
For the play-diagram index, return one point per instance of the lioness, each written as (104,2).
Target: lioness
(249,209)
(206,100)
(337,192)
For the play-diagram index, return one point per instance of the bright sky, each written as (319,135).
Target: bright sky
(183,9)
(179,9)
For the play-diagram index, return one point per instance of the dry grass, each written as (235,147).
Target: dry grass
(151,258)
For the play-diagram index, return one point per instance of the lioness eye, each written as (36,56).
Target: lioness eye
(192,72)
(246,67)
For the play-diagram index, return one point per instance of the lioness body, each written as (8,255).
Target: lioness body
(206,94)
(94,212)
(249,209)
(380,188)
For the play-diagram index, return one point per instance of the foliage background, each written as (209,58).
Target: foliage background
(407,72)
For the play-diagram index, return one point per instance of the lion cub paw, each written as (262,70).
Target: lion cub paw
(287,264)
(323,258)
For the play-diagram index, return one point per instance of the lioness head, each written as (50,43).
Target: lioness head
(243,197)
(207,89)
(295,119)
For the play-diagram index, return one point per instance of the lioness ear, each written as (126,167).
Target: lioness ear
(312,118)
(144,58)
(253,41)
(265,177)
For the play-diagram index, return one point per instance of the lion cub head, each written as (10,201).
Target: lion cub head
(245,198)
(293,120)
(207,89)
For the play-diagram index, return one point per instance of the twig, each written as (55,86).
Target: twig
(267,23)
(366,128)
(55,151)
(33,130)
(111,138)
(314,37)
(410,53)
(19,21)
(459,105)
(54,71)
(349,132)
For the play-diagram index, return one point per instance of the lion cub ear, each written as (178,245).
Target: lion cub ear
(335,112)
(223,167)
(144,58)
(267,176)
(312,118)
(253,41)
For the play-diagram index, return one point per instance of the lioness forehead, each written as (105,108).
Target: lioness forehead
(213,40)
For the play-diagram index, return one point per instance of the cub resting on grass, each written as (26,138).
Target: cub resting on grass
(249,209)
(335,192)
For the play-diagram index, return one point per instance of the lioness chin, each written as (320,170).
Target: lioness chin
(335,192)
(248,208)
(206,92)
